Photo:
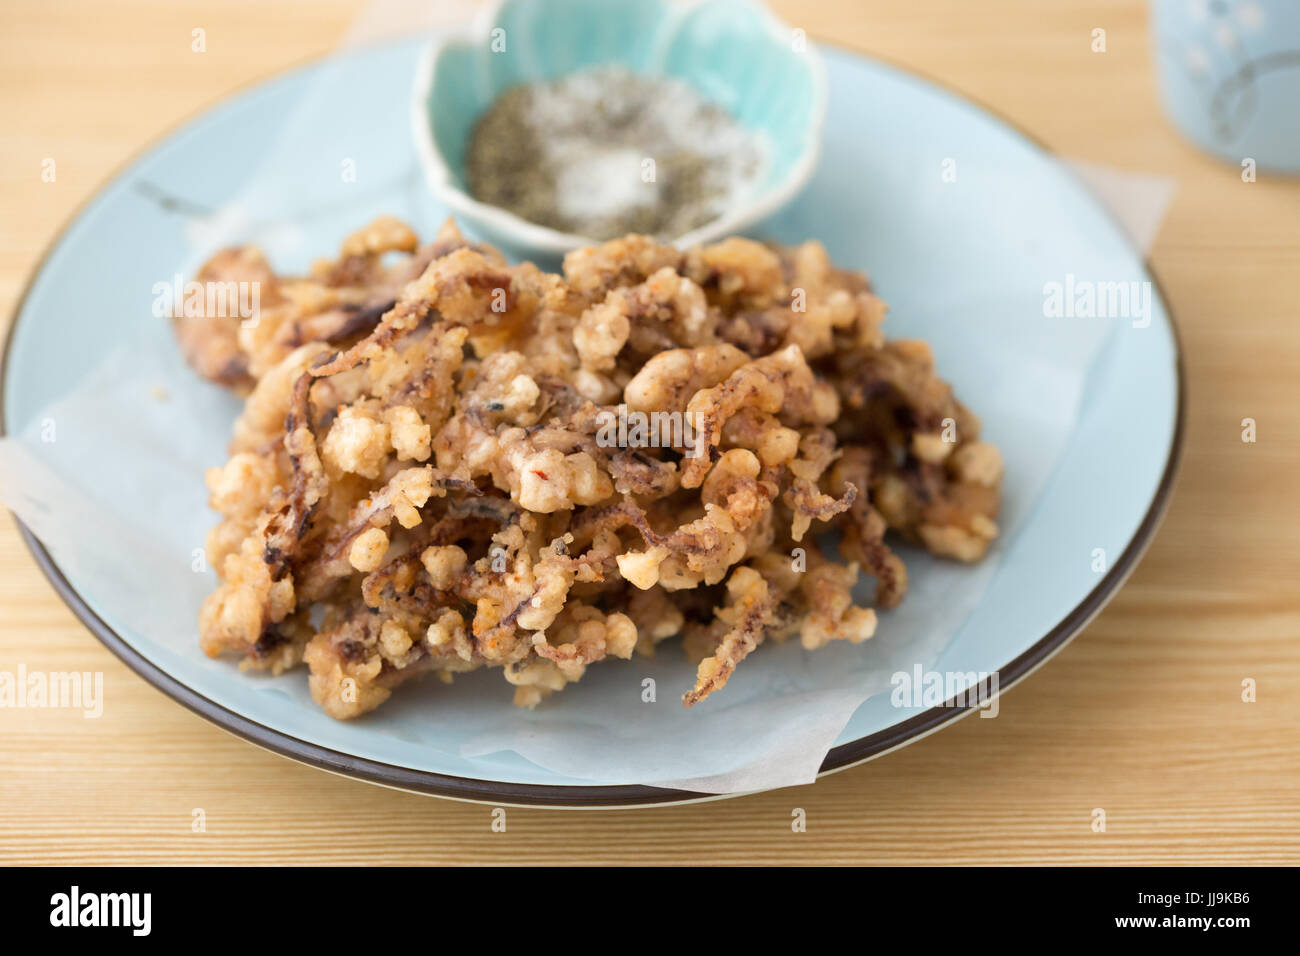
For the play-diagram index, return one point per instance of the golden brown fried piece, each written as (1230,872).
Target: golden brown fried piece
(447,463)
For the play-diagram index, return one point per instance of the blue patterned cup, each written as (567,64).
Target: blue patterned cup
(1229,75)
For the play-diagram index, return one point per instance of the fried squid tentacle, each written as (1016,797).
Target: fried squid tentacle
(424,479)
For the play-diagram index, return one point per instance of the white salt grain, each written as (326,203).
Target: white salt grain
(602,182)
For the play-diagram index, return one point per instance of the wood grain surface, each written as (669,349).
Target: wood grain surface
(1142,715)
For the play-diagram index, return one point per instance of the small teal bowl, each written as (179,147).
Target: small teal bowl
(733,52)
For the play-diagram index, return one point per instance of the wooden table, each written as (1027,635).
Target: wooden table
(1142,715)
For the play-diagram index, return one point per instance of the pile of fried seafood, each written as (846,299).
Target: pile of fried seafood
(418,481)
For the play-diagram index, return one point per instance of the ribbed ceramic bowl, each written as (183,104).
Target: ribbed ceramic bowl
(733,52)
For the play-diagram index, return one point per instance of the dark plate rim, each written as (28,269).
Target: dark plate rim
(586,797)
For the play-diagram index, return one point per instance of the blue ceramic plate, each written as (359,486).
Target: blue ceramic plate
(1087,411)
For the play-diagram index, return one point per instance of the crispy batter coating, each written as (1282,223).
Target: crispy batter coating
(446,462)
